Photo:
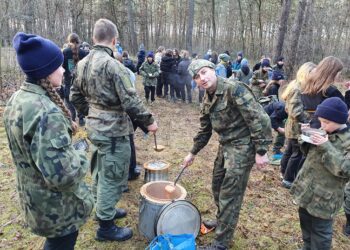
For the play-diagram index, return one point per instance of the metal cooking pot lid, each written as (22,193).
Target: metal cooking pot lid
(178,217)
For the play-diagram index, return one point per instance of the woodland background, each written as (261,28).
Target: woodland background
(300,30)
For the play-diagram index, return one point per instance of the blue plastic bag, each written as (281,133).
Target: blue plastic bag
(173,242)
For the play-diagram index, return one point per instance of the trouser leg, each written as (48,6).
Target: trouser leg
(147,90)
(153,90)
(278,142)
(112,172)
(189,92)
(306,227)
(286,156)
(159,85)
(218,177)
(293,165)
(66,242)
(238,161)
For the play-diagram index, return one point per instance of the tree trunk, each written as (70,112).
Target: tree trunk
(131,21)
(213,37)
(295,37)
(190,26)
(282,30)
(242,26)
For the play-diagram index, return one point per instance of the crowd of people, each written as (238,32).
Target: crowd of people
(242,105)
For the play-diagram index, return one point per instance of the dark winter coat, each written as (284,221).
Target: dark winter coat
(129,64)
(182,70)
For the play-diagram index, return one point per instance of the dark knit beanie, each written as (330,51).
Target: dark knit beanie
(245,69)
(277,75)
(240,54)
(150,54)
(38,57)
(265,63)
(333,109)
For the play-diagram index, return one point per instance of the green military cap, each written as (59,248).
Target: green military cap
(196,65)
(224,57)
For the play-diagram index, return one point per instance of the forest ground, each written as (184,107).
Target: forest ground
(268,217)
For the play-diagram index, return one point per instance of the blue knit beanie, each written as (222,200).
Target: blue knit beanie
(333,109)
(265,63)
(38,57)
(150,54)
(277,75)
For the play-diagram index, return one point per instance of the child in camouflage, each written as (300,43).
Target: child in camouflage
(319,186)
(150,71)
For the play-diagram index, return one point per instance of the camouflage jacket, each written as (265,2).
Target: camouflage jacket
(235,115)
(50,172)
(103,85)
(296,113)
(259,75)
(244,78)
(150,72)
(319,186)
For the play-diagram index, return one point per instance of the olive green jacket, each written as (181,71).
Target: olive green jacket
(103,89)
(319,186)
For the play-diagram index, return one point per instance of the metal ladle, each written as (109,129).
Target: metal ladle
(171,188)
(157,148)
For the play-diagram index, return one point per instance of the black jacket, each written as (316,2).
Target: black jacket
(168,64)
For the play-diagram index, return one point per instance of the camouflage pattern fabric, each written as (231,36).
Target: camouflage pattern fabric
(243,128)
(296,113)
(50,172)
(230,177)
(196,65)
(150,72)
(319,186)
(235,115)
(103,84)
(347,198)
(259,75)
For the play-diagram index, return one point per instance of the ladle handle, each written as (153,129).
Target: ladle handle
(178,177)
(155,140)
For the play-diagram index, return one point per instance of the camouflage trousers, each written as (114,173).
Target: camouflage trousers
(278,142)
(230,177)
(347,198)
(110,166)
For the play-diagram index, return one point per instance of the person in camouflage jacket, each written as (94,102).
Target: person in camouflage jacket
(103,91)
(260,79)
(291,159)
(244,129)
(53,196)
(150,72)
(318,189)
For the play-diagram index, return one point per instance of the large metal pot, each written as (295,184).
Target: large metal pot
(156,170)
(166,213)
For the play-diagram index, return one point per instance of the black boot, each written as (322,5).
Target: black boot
(210,223)
(109,231)
(347,225)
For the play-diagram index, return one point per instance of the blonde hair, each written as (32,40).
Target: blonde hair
(322,76)
(300,80)
(55,98)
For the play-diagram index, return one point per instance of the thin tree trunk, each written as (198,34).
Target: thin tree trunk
(295,37)
(242,26)
(282,29)
(131,21)
(190,25)
(213,37)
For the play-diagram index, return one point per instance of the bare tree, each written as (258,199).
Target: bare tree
(282,29)
(190,25)
(295,34)
(213,36)
(131,20)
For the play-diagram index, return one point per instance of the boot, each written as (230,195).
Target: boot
(119,213)
(109,231)
(210,223)
(347,225)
